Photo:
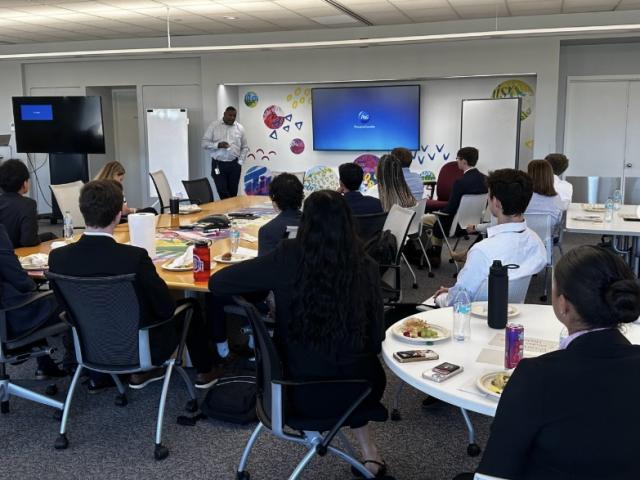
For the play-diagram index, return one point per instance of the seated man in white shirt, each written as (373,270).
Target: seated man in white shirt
(510,241)
(559,163)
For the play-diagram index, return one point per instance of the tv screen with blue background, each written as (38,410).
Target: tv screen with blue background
(366,118)
(36,112)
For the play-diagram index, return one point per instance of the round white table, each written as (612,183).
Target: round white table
(538,321)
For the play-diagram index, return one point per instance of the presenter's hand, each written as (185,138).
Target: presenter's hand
(223,145)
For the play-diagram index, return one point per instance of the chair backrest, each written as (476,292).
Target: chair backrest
(398,222)
(198,190)
(369,225)
(447,176)
(300,175)
(268,363)
(105,315)
(163,189)
(68,195)
(416,224)
(470,211)
(541,224)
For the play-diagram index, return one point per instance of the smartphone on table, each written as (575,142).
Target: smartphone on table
(442,372)
(415,356)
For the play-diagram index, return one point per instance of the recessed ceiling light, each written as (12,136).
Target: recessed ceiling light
(229,17)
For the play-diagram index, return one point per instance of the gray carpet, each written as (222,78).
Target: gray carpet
(113,442)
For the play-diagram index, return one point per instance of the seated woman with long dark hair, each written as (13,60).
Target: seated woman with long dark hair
(573,413)
(329,312)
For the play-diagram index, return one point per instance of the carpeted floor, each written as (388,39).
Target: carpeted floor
(117,442)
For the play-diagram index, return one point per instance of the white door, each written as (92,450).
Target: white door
(632,154)
(127,144)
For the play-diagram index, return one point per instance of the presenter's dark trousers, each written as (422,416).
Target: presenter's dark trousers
(227,180)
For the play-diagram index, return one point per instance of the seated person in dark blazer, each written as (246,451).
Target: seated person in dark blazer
(329,312)
(286,194)
(17,287)
(472,182)
(351,175)
(573,413)
(98,254)
(19,214)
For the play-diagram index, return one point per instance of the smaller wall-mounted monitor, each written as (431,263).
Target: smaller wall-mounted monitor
(58,124)
(366,118)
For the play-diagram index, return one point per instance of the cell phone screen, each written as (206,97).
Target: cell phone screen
(446,367)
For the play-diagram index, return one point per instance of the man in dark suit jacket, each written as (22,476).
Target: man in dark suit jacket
(18,213)
(286,193)
(17,287)
(472,182)
(98,254)
(351,176)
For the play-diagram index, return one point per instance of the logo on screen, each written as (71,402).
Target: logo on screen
(364,117)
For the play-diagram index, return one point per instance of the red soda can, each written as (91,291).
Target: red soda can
(201,262)
(513,345)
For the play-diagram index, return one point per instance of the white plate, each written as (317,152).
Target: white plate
(184,268)
(594,207)
(235,258)
(483,382)
(30,267)
(443,334)
(480,310)
(187,210)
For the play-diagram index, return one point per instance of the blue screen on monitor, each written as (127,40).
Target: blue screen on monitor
(36,112)
(366,118)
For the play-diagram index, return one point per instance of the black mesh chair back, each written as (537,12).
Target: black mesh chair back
(105,313)
(368,226)
(268,364)
(198,190)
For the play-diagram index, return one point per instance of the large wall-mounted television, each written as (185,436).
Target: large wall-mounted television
(376,118)
(58,124)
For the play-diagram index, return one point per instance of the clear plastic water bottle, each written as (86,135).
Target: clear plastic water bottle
(234,238)
(461,316)
(608,210)
(617,199)
(67,228)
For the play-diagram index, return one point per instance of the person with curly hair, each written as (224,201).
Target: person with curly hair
(329,311)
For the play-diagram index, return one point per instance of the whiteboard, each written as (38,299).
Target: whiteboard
(493,127)
(168,146)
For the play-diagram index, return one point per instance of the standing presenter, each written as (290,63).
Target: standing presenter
(226,143)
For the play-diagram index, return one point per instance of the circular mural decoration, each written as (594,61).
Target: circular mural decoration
(273,117)
(320,177)
(369,164)
(428,176)
(297,146)
(513,89)
(251,99)
(257,180)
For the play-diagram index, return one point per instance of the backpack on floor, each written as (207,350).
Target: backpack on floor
(382,248)
(232,399)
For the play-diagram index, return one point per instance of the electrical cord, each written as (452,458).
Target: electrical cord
(34,170)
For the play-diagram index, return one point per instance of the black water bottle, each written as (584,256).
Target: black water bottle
(498,295)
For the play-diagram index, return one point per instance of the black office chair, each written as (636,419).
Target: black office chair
(20,349)
(104,314)
(198,190)
(370,225)
(274,413)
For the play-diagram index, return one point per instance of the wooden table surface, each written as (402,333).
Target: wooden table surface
(180,280)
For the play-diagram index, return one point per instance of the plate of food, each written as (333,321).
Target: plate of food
(180,268)
(417,330)
(231,258)
(187,209)
(594,207)
(493,383)
(481,309)
(35,261)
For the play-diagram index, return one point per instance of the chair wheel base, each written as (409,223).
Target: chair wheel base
(473,450)
(61,442)
(121,400)
(431,274)
(161,452)
(244,475)
(415,286)
(4,407)
(395,415)
(51,390)
(191,406)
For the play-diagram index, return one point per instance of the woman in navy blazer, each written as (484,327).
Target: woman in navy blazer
(572,413)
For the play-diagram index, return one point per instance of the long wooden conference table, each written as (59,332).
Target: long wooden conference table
(180,280)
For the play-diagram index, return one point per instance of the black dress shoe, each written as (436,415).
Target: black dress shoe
(431,402)
(48,369)
(100,385)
